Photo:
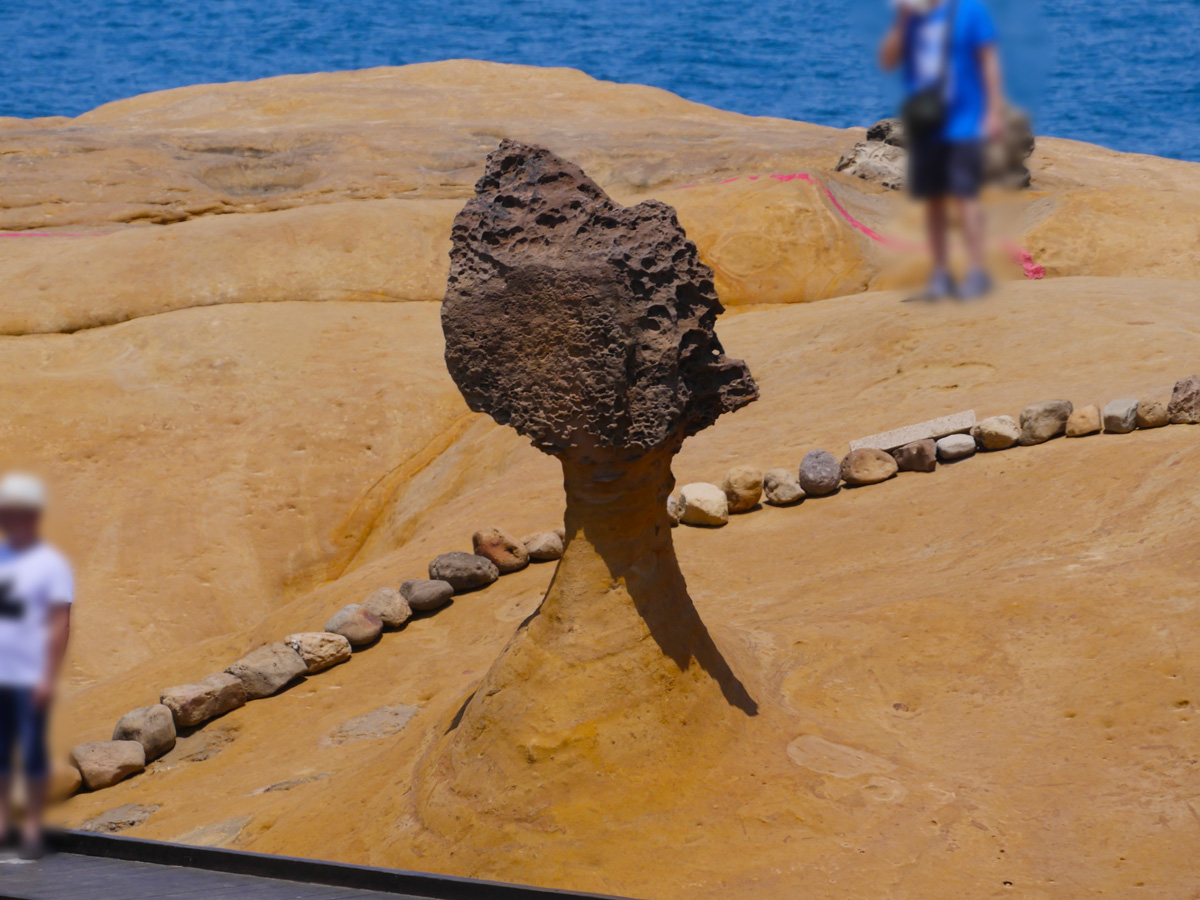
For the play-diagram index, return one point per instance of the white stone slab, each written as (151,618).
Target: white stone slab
(959,423)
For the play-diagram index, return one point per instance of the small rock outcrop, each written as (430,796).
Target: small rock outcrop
(102,764)
(876,162)
(743,487)
(703,504)
(543,546)
(917,456)
(151,726)
(506,552)
(996,433)
(820,473)
(1184,408)
(120,818)
(268,669)
(1042,421)
(425,595)
(781,487)
(463,571)
(955,446)
(391,607)
(356,624)
(888,131)
(196,703)
(320,650)
(868,466)
(1083,421)
(883,157)
(1120,416)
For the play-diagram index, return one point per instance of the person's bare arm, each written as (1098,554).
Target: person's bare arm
(60,633)
(989,62)
(891,51)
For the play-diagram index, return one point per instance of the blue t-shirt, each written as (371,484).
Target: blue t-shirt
(925,53)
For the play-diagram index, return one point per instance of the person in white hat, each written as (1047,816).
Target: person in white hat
(36,592)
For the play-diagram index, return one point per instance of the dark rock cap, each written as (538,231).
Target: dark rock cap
(579,322)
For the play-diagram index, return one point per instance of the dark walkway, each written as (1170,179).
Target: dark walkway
(65,876)
(105,867)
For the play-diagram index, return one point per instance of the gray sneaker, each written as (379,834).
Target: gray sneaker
(941,286)
(978,284)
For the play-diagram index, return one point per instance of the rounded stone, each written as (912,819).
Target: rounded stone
(387,603)
(195,703)
(703,504)
(1042,421)
(781,487)
(1152,414)
(743,487)
(356,624)
(1184,408)
(424,595)
(319,650)
(1083,421)
(102,764)
(868,465)
(463,571)
(267,670)
(955,446)
(151,726)
(506,552)
(996,433)
(543,546)
(1120,416)
(917,456)
(820,473)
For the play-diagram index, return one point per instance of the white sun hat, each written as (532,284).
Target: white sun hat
(21,491)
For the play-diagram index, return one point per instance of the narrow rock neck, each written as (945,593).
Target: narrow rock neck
(618,505)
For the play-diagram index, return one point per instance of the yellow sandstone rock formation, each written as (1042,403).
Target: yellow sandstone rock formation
(966,679)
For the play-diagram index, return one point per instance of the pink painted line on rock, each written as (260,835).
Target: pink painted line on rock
(1019,255)
(1024,259)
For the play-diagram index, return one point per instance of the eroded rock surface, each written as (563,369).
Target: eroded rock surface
(578,321)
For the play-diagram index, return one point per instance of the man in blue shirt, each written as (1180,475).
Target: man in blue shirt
(964,68)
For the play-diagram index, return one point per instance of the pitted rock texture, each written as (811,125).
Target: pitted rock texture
(578,321)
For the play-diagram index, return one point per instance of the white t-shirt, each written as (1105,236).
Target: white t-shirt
(31,582)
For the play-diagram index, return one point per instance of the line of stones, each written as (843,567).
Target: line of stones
(821,473)
(147,733)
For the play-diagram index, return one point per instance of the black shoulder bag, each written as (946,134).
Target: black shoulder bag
(924,112)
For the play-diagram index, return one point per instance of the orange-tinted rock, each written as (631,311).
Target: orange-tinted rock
(506,552)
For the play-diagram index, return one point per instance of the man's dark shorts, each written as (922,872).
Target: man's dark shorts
(23,728)
(937,168)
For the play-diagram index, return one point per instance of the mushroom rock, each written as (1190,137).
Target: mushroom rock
(589,328)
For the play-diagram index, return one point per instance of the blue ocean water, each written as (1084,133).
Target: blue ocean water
(1121,74)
